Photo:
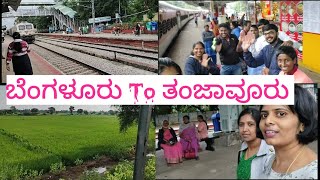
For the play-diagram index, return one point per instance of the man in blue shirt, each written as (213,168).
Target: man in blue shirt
(235,29)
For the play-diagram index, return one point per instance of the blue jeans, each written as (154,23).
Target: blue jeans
(255,71)
(231,69)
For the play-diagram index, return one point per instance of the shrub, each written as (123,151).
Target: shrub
(91,175)
(95,157)
(18,172)
(57,167)
(78,162)
(124,170)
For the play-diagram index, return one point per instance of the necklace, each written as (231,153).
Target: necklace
(292,161)
(295,159)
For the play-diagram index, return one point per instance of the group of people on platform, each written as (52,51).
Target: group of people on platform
(274,145)
(190,137)
(259,49)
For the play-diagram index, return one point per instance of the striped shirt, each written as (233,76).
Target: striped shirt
(12,52)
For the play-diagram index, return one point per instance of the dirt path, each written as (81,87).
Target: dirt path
(74,172)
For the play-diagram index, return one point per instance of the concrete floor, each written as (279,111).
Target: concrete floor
(218,164)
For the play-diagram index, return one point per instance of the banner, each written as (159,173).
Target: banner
(291,18)
(149,90)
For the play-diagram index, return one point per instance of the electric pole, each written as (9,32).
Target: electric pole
(93,16)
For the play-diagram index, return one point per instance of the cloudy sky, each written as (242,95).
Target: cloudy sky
(57,107)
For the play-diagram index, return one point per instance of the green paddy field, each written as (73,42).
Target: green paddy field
(36,142)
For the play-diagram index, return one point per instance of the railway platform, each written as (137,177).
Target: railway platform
(143,41)
(181,47)
(39,65)
(218,164)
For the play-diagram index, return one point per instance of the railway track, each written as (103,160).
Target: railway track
(127,50)
(65,64)
(146,61)
(104,44)
(71,62)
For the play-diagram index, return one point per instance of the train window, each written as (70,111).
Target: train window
(21,27)
(29,26)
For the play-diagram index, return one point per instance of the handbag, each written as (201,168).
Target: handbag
(189,153)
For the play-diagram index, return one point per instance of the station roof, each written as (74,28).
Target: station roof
(26,2)
(206,4)
(65,10)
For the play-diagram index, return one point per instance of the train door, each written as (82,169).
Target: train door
(179,19)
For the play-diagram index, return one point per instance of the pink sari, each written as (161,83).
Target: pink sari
(173,154)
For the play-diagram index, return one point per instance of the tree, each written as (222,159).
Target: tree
(71,109)
(85,112)
(13,109)
(127,116)
(110,8)
(34,111)
(80,111)
(239,6)
(150,14)
(2,112)
(8,111)
(40,22)
(26,112)
(51,110)
(111,112)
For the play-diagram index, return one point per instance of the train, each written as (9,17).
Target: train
(26,30)
(171,20)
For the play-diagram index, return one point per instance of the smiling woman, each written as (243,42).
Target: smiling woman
(198,63)
(289,129)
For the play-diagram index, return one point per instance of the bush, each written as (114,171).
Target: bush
(91,175)
(78,162)
(124,170)
(150,170)
(57,167)
(18,172)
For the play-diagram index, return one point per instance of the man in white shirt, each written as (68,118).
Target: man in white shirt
(261,41)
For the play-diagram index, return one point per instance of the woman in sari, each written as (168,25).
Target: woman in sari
(188,136)
(169,143)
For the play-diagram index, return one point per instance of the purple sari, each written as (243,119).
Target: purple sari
(187,135)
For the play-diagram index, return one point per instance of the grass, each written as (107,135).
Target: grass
(36,142)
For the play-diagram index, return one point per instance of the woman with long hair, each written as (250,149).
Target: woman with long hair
(18,54)
(289,129)
(254,149)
